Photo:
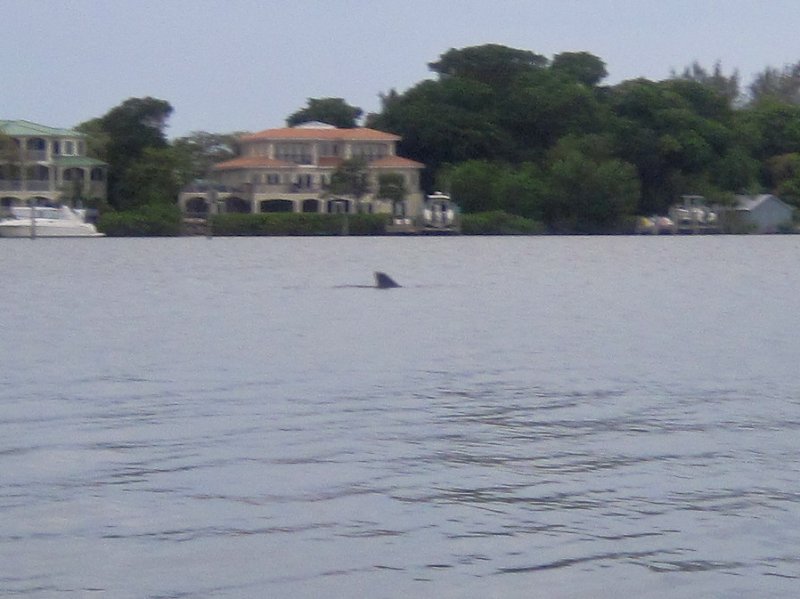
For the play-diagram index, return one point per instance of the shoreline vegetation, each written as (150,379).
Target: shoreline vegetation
(523,143)
(170,223)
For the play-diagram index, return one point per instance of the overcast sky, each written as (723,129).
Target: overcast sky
(245,65)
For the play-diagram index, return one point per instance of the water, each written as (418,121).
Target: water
(526,417)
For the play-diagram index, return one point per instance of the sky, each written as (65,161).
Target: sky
(246,65)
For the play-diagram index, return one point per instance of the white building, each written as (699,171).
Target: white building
(762,213)
(46,165)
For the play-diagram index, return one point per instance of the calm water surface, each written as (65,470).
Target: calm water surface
(526,417)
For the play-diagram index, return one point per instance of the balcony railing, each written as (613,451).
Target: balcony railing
(36,155)
(284,188)
(10,185)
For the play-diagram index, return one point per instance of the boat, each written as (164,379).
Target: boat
(439,216)
(47,222)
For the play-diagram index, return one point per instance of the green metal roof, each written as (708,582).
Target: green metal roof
(70,161)
(28,129)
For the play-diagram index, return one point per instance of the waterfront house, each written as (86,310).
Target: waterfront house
(46,166)
(763,213)
(288,170)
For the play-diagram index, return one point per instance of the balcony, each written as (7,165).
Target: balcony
(32,185)
(286,188)
(10,185)
(36,155)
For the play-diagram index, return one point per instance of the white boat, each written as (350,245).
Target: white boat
(47,222)
(439,211)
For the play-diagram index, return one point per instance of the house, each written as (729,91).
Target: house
(763,213)
(289,169)
(47,166)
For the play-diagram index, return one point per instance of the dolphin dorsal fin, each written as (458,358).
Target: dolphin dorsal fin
(384,281)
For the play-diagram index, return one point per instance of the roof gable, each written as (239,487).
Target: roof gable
(327,133)
(29,129)
(749,203)
(251,162)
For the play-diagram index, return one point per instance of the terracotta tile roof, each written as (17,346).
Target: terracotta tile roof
(333,134)
(396,162)
(330,161)
(251,162)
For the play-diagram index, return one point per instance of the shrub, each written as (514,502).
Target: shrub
(146,221)
(292,223)
(499,222)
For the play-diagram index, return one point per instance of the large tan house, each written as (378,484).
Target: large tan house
(289,169)
(47,166)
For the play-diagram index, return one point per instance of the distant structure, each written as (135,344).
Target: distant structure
(289,169)
(47,166)
(763,213)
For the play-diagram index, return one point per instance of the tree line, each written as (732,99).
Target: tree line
(505,129)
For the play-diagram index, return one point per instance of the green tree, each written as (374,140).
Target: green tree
(784,177)
(581,66)
(350,179)
(726,86)
(672,131)
(447,121)
(197,152)
(590,191)
(521,191)
(150,180)
(121,137)
(781,85)
(472,184)
(542,107)
(10,158)
(333,111)
(392,187)
(492,64)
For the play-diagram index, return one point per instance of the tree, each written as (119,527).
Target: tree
(392,187)
(492,64)
(522,191)
(198,152)
(471,184)
(590,191)
(447,121)
(121,138)
(781,85)
(333,111)
(581,66)
(726,86)
(672,131)
(350,179)
(784,173)
(150,180)
(10,158)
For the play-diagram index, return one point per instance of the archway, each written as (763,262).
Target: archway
(311,205)
(339,206)
(73,174)
(237,205)
(276,206)
(197,205)
(7,202)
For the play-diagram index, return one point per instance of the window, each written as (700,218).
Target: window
(69,148)
(299,153)
(370,151)
(327,148)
